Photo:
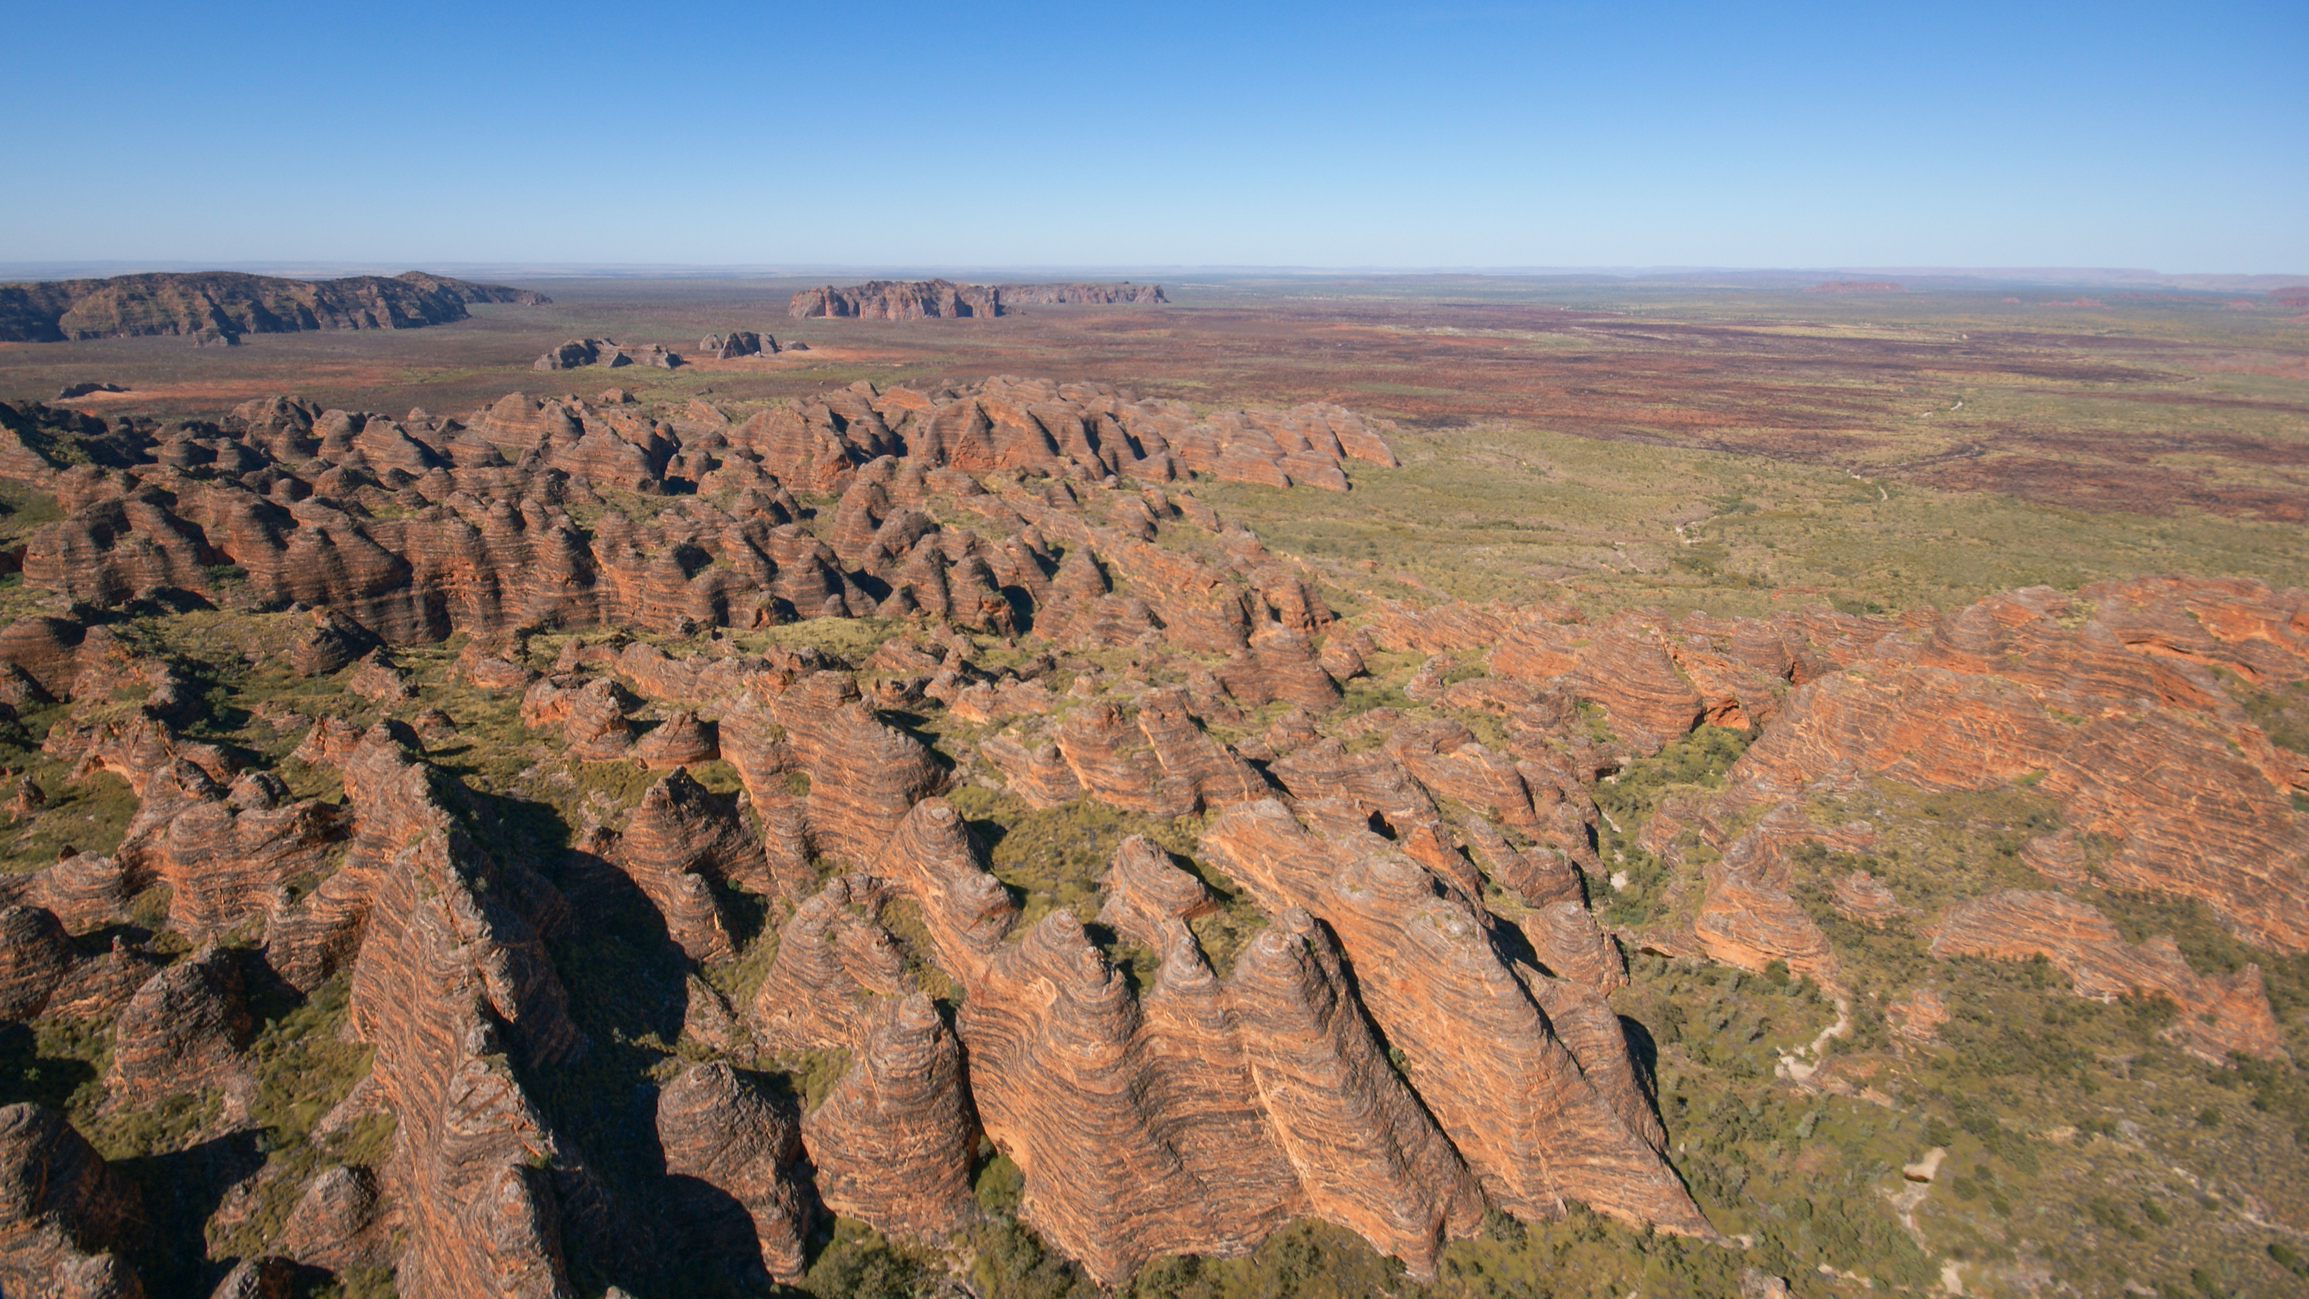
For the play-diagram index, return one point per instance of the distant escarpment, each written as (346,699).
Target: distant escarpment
(936,299)
(223,305)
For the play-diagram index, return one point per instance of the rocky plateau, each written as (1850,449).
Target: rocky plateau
(223,305)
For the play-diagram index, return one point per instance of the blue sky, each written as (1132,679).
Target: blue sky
(1398,135)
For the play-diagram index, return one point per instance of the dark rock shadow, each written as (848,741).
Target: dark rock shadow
(181,1190)
(1644,1052)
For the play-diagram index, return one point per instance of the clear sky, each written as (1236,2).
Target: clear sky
(2173,137)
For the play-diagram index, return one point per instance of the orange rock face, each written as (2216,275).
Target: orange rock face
(491,547)
(2219,1013)
(2118,719)
(892,1143)
(1506,1090)
(2110,701)
(1365,1152)
(450,976)
(184,1030)
(1130,1146)
(681,842)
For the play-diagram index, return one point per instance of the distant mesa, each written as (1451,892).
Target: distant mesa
(220,306)
(897,300)
(737,343)
(2293,295)
(944,299)
(578,352)
(72,390)
(1858,286)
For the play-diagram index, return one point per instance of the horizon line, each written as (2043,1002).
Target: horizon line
(104,268)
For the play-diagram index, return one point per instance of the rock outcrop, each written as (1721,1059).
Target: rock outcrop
(893,1141)
(1082,294)
(1294,1108)
(36,956)
(1506,1090)
(450,977)
(2110,702)
(737,343)
(834,959)
(184,1031)
(1366,1153)
(414,529)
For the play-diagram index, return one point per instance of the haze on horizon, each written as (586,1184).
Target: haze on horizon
(1396,135)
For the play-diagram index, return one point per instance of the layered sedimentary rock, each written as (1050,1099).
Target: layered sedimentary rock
(1747,917)
(1083,294)
(892,1142)
(36,956)
(863,773)
(1158,761)
(1750,924)
(223,850)
(184,1031)
(450,976)
(1863,897)
(606,352)
(1093,1107)
(2220,1013)
(1367,1154)
(680,843)
(833,959)
(331,642)
(1079,1088)
(897,300)
(737,343)
(2113,701)
(1509,1094)
(338,1222)
(678,741)
(2120,720)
